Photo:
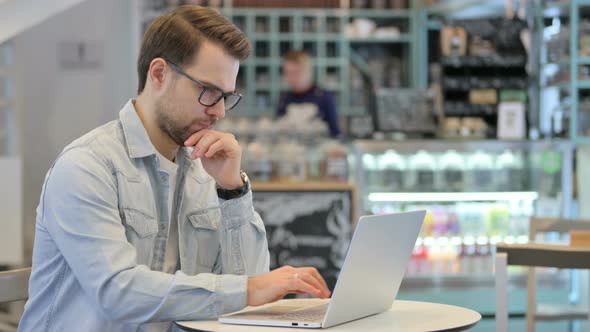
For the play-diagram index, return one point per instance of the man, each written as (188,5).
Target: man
(148,219)
(298,73)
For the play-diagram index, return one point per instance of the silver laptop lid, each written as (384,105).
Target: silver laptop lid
(374,267)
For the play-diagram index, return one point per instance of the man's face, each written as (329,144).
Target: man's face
(178,111)
(296,75)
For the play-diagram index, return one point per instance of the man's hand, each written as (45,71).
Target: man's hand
(274,285)
(220,154)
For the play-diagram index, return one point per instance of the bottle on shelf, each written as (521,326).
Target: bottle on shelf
(290,166)
(452,166)
(422,170)
(510,171)
(373,174)
(480,170)
(393,166)
(334,164)
(258,152)
(468,256)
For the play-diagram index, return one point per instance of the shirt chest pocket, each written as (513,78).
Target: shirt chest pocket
(203,237)
(138,214)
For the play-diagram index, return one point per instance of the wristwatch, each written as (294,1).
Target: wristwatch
(235,193)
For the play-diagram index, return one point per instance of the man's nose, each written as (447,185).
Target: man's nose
(217,110)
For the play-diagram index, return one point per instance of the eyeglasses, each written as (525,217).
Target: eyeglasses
(211,95)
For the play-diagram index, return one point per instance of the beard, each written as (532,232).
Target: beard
(169,124)
(169,120)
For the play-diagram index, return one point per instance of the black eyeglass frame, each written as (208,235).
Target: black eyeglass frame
(206,87)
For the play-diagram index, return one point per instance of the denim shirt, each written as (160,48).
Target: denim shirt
(101,232)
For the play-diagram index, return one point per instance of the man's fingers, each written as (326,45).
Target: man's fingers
(315,274)
(308,278)
(206,141)
(203,145)
(194,138)
(214,148)
(298,284)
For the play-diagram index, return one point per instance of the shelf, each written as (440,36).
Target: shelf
(478,279)
(561,85)
(290,37)
(263,62)
(334,62)
(380,13)
(302,186)
(453,196)
(458,240)
(321,12)
(566,85)
(484,61)
(449,86)
(582,61)
(263,87)
(460,145)
(448,8)
(403,38)
(360,110)
(555,9)
(554,312)
(565,62)
(470,110)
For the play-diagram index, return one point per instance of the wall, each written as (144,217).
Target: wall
(58,104)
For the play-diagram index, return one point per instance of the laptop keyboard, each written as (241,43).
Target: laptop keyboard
(312,314)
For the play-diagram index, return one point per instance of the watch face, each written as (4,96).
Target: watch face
(244,177)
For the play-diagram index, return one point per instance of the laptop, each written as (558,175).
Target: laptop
(368,282)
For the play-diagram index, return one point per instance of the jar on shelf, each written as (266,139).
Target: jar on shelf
(510,171)
(393,167)
(373,176)
(452,171)
(290,161)
(334,165)
(480,170)
(258,162)
(422,172)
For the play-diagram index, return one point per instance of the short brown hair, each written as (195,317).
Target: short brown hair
(177,36)
(299,57)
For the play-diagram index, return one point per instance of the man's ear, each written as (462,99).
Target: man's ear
(157,73)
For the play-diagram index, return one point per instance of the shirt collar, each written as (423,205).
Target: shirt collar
(139,144)
(136,137)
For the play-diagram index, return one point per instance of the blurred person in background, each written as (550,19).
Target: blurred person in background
(304,95)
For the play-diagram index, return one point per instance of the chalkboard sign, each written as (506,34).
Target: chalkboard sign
(307,228)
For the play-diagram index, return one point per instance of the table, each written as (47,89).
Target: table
(537,255)
(403,316)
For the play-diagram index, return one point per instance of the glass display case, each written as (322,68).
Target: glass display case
(477,193)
